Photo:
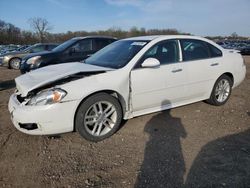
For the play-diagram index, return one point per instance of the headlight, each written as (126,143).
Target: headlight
(6,58)
(48,97)
(34,60)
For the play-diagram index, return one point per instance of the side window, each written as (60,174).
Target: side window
(37,49)
(82,46)
(46,47)
(166,52)
(194,49)
(215,52)
(50,47)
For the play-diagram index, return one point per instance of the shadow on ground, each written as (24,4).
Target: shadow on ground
(224,162)
(163,164)
(8,84)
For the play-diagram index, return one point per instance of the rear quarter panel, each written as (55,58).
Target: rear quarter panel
(233,63)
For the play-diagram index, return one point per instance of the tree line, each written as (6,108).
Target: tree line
(10,34)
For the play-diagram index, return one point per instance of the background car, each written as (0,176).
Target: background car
(73,50)
(245,50)
(13,59)
(128,78)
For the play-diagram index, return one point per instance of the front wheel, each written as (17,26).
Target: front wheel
(98,117)
(15,63)
(221,91)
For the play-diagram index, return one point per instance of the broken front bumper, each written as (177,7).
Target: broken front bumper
(42,120)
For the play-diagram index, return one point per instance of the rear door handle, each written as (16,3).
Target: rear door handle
(214,64)
(176,70)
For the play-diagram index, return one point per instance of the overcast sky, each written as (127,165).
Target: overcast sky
(199,17)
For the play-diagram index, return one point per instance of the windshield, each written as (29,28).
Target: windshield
(65,45)
(117,54)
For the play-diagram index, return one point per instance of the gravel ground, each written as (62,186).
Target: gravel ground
(197,145)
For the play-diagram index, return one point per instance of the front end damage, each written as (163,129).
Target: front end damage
(53,117)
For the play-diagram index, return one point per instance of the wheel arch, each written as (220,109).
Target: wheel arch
(113,93)
(230,75)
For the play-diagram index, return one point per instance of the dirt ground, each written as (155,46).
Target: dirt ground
(197,145)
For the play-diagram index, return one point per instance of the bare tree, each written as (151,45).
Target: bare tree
(41,26)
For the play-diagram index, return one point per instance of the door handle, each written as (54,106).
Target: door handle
(214,64)
(176,70)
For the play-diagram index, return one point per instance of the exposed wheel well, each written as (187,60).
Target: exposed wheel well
(230,75)
(111,92)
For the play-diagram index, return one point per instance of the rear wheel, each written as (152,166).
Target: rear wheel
(221,91)
(14,63)
(98,117)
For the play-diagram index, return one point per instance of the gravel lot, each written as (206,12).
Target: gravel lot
(197,145)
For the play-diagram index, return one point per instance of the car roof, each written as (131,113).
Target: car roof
(102,37)
(159,37)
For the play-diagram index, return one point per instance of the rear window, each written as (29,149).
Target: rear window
(101,43)
(194,49)
(214,52)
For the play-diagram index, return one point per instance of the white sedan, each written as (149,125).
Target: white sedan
(128,78)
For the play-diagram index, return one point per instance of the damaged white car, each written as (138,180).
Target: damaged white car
(128,78)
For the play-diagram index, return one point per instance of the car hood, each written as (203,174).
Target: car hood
(47,75)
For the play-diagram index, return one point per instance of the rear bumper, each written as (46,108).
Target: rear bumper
(43,120)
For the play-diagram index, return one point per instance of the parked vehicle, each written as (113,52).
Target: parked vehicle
(13,59)
(8,48)
(236,45)
(22,48)
(128,78)
(245,50)
(75,49)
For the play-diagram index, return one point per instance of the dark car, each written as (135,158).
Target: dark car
(12,60)
(73,50)
(245,50)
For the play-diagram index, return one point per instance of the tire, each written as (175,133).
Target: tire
(221,91)
(98,117)
(14,63)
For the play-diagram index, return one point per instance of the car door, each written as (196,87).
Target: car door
(153,88)
(78,51)
(203,62)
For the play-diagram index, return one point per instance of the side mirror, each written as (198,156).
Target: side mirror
(150,63)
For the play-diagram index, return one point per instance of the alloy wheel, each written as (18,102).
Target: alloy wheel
(100,118)
(222,90)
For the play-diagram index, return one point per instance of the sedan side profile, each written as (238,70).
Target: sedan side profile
(128,78)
